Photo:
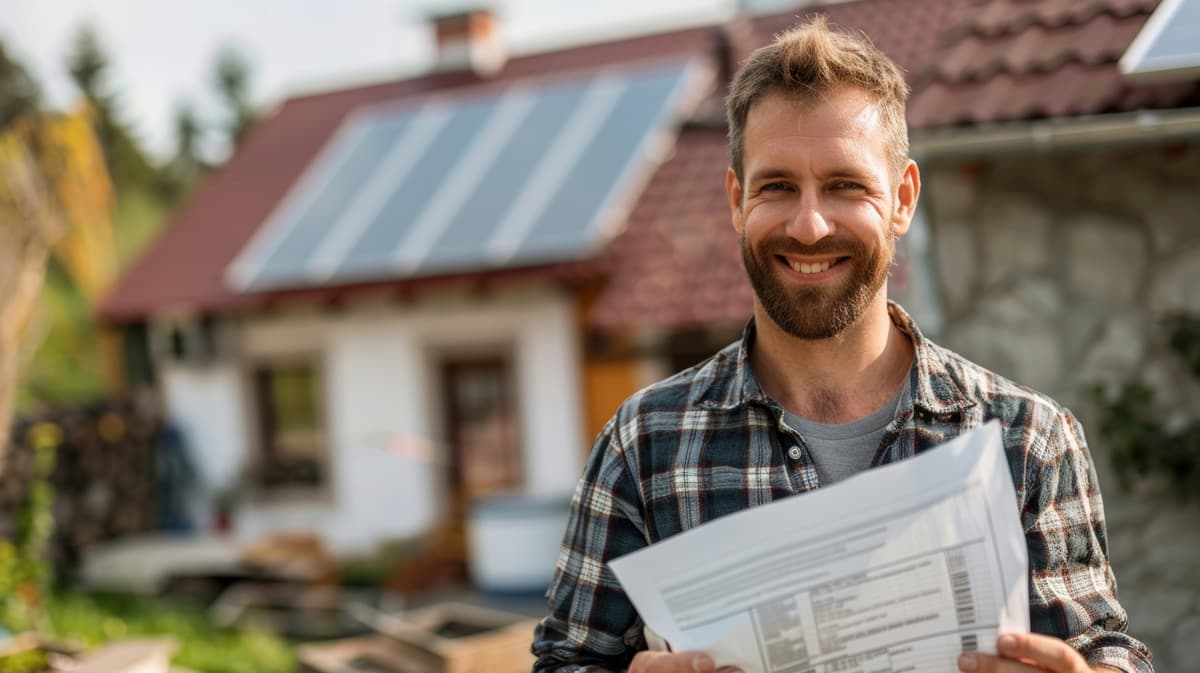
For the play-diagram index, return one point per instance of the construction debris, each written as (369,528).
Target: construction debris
(442,638)
(294,610)
(145,655)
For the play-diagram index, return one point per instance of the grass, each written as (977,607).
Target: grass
(93,619)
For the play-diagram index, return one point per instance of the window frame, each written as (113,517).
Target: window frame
(256,489)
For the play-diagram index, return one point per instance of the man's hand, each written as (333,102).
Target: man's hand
(1028,653)
(676,662)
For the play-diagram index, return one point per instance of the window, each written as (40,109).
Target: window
(293,448)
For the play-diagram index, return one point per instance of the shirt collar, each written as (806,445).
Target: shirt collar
(727,381)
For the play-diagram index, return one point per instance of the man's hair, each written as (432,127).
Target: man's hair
(812,61)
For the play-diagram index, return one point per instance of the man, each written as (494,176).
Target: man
(828,379)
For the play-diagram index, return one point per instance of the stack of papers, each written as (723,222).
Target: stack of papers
(900,568)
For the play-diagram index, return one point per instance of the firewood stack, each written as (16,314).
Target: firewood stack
(104,476)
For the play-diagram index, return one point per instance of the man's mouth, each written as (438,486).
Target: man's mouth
(813,267)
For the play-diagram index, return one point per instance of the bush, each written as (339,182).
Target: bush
(93,619)
(1142,446)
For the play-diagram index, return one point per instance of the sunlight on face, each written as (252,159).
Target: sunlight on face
(817,215)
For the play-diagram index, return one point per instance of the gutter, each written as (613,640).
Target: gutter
(1143,126)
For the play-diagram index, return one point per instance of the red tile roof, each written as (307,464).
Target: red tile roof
(677,264)
(184,270)
(1014,60)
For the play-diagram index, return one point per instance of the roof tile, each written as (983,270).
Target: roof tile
(1015,60)
(678,264)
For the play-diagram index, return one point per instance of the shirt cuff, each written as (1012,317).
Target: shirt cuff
(1119,658)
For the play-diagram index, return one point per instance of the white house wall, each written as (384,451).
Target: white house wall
(379,366)
(205,405)
(551,407)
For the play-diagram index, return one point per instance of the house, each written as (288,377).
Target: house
(481,343)
(335,323)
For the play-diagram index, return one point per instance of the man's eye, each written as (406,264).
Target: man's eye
(847,184)
(775,187)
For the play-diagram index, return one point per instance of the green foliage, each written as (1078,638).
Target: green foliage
(27,603)
(92,619)
(138,220)
(186,167)
(87,62)
(27,661)
(24,575)
(66,368)
(1185,340)
(127,163)
(1129,427)
(232,79)
(19,94)
(1141,445)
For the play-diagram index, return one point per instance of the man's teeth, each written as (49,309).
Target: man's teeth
(801,267)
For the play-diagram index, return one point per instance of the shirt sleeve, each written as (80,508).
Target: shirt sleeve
(591,625)
(1073,593)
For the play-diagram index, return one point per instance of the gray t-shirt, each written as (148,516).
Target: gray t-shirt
(845,449)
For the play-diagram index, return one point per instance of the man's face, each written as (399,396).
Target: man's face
(819,211)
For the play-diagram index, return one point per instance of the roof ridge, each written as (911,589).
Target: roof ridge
(602,42)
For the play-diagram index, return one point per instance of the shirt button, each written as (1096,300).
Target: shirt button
(794,453)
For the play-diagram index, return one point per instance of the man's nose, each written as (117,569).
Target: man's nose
(809,225)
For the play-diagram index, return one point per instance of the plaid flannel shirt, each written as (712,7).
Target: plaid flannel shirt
(709,442)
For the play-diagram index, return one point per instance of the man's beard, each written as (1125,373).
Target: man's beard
(817,311)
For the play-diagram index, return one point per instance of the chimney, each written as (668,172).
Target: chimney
(469,40)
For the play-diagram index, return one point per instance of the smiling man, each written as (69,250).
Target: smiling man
(829,379)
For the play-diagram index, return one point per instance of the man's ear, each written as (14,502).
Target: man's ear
(907,192)
(733,189)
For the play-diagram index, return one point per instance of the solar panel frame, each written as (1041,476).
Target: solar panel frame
(458,245)
(246,266)
(1155,54)
(403,158)
(310,229)
(371,256)
(411,176)
(547,240)
(552,169)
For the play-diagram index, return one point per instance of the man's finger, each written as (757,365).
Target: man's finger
(1047,651)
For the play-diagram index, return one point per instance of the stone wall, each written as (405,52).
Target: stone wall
(1055,269)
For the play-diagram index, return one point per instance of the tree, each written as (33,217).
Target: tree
(55,197)
(19,95)
(187,165)
(69,363)
(24,240)
(29,225)
(232,79)
(88,65)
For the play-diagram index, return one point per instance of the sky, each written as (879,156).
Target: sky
(163,51)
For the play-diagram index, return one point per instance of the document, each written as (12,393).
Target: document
(900,568)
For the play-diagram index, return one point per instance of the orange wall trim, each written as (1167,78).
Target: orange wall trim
(607,382)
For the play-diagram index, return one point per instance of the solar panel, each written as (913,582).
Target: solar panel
(535,174)
(1168,46)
